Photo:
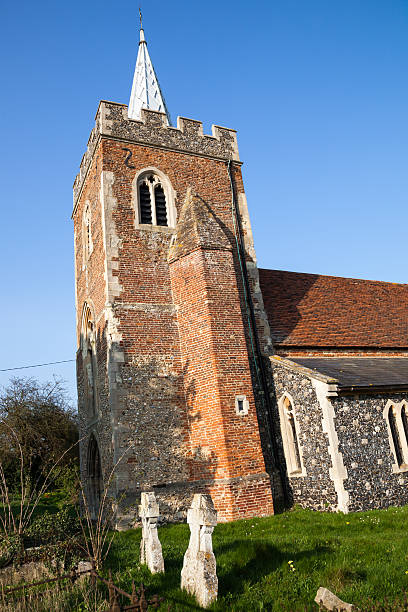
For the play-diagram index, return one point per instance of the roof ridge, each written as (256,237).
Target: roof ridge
(362,280)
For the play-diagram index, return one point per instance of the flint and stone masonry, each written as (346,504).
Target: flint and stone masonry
(344,443)
(171,391)
(163,348)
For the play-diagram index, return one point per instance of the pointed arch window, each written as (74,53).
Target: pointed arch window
(155,199)
(89,361)
(152,201)
(87,233)
(290,436)
(396,417)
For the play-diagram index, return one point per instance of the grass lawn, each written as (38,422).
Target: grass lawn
(50,502)
(361,557)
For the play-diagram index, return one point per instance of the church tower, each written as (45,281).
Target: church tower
(168,306)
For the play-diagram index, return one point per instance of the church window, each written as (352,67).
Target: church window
(395,415)
(154,199)
(395,435)
(290,436)
(87,233)
(89,361)
(145,204)
(404,421)
(241,405)
(160,201)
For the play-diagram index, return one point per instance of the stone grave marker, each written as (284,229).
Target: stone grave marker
(150,547)
(199,575)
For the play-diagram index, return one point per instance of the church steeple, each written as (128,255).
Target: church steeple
(146,92)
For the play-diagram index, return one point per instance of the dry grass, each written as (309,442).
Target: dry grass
(62,597)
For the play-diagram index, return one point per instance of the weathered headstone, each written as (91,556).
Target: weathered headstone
(329,601)
(84,566)
(150,547)
(199,575)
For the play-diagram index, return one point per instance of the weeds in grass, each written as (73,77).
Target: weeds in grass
(63,597)
(97,536)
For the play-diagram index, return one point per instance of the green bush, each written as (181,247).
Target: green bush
(52,528)
(11,548)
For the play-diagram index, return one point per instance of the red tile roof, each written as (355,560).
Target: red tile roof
(329,311)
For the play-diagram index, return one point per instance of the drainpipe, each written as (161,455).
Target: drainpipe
(254,338)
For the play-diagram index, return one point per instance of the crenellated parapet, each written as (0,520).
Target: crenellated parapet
(112,121)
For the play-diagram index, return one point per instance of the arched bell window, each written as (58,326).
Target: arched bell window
(290,436)
(152,201)
(155,199)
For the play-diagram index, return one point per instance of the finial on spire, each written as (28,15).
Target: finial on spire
(146,92)
(142,38)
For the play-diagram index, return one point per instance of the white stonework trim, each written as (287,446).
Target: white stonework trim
(114,357)
(390,405)
(241,400)
(337,472)
(111,241)
(264,330)
(288,441)
(169,193)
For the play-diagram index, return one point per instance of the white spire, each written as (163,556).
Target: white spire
(146,92)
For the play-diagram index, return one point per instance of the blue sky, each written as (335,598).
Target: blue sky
(317,91)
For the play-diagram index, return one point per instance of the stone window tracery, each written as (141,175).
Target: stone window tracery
(395,415)
(155,199)
(152,201)
(290,436)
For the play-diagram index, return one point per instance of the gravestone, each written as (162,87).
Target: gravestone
(150,547)
(199,576)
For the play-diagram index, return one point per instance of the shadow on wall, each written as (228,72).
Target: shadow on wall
(271,463)
(148,405)
(94,451)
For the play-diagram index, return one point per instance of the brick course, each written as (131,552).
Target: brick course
(171,340)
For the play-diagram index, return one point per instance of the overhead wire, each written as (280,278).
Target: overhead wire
(37,365)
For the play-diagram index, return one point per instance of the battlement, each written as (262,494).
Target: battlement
(112,121)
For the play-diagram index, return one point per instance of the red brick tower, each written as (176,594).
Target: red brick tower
(164,366)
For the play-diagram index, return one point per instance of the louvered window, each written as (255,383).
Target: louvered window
(152,202)
(160,201)
(145,204)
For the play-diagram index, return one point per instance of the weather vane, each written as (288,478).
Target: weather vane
(140,15)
